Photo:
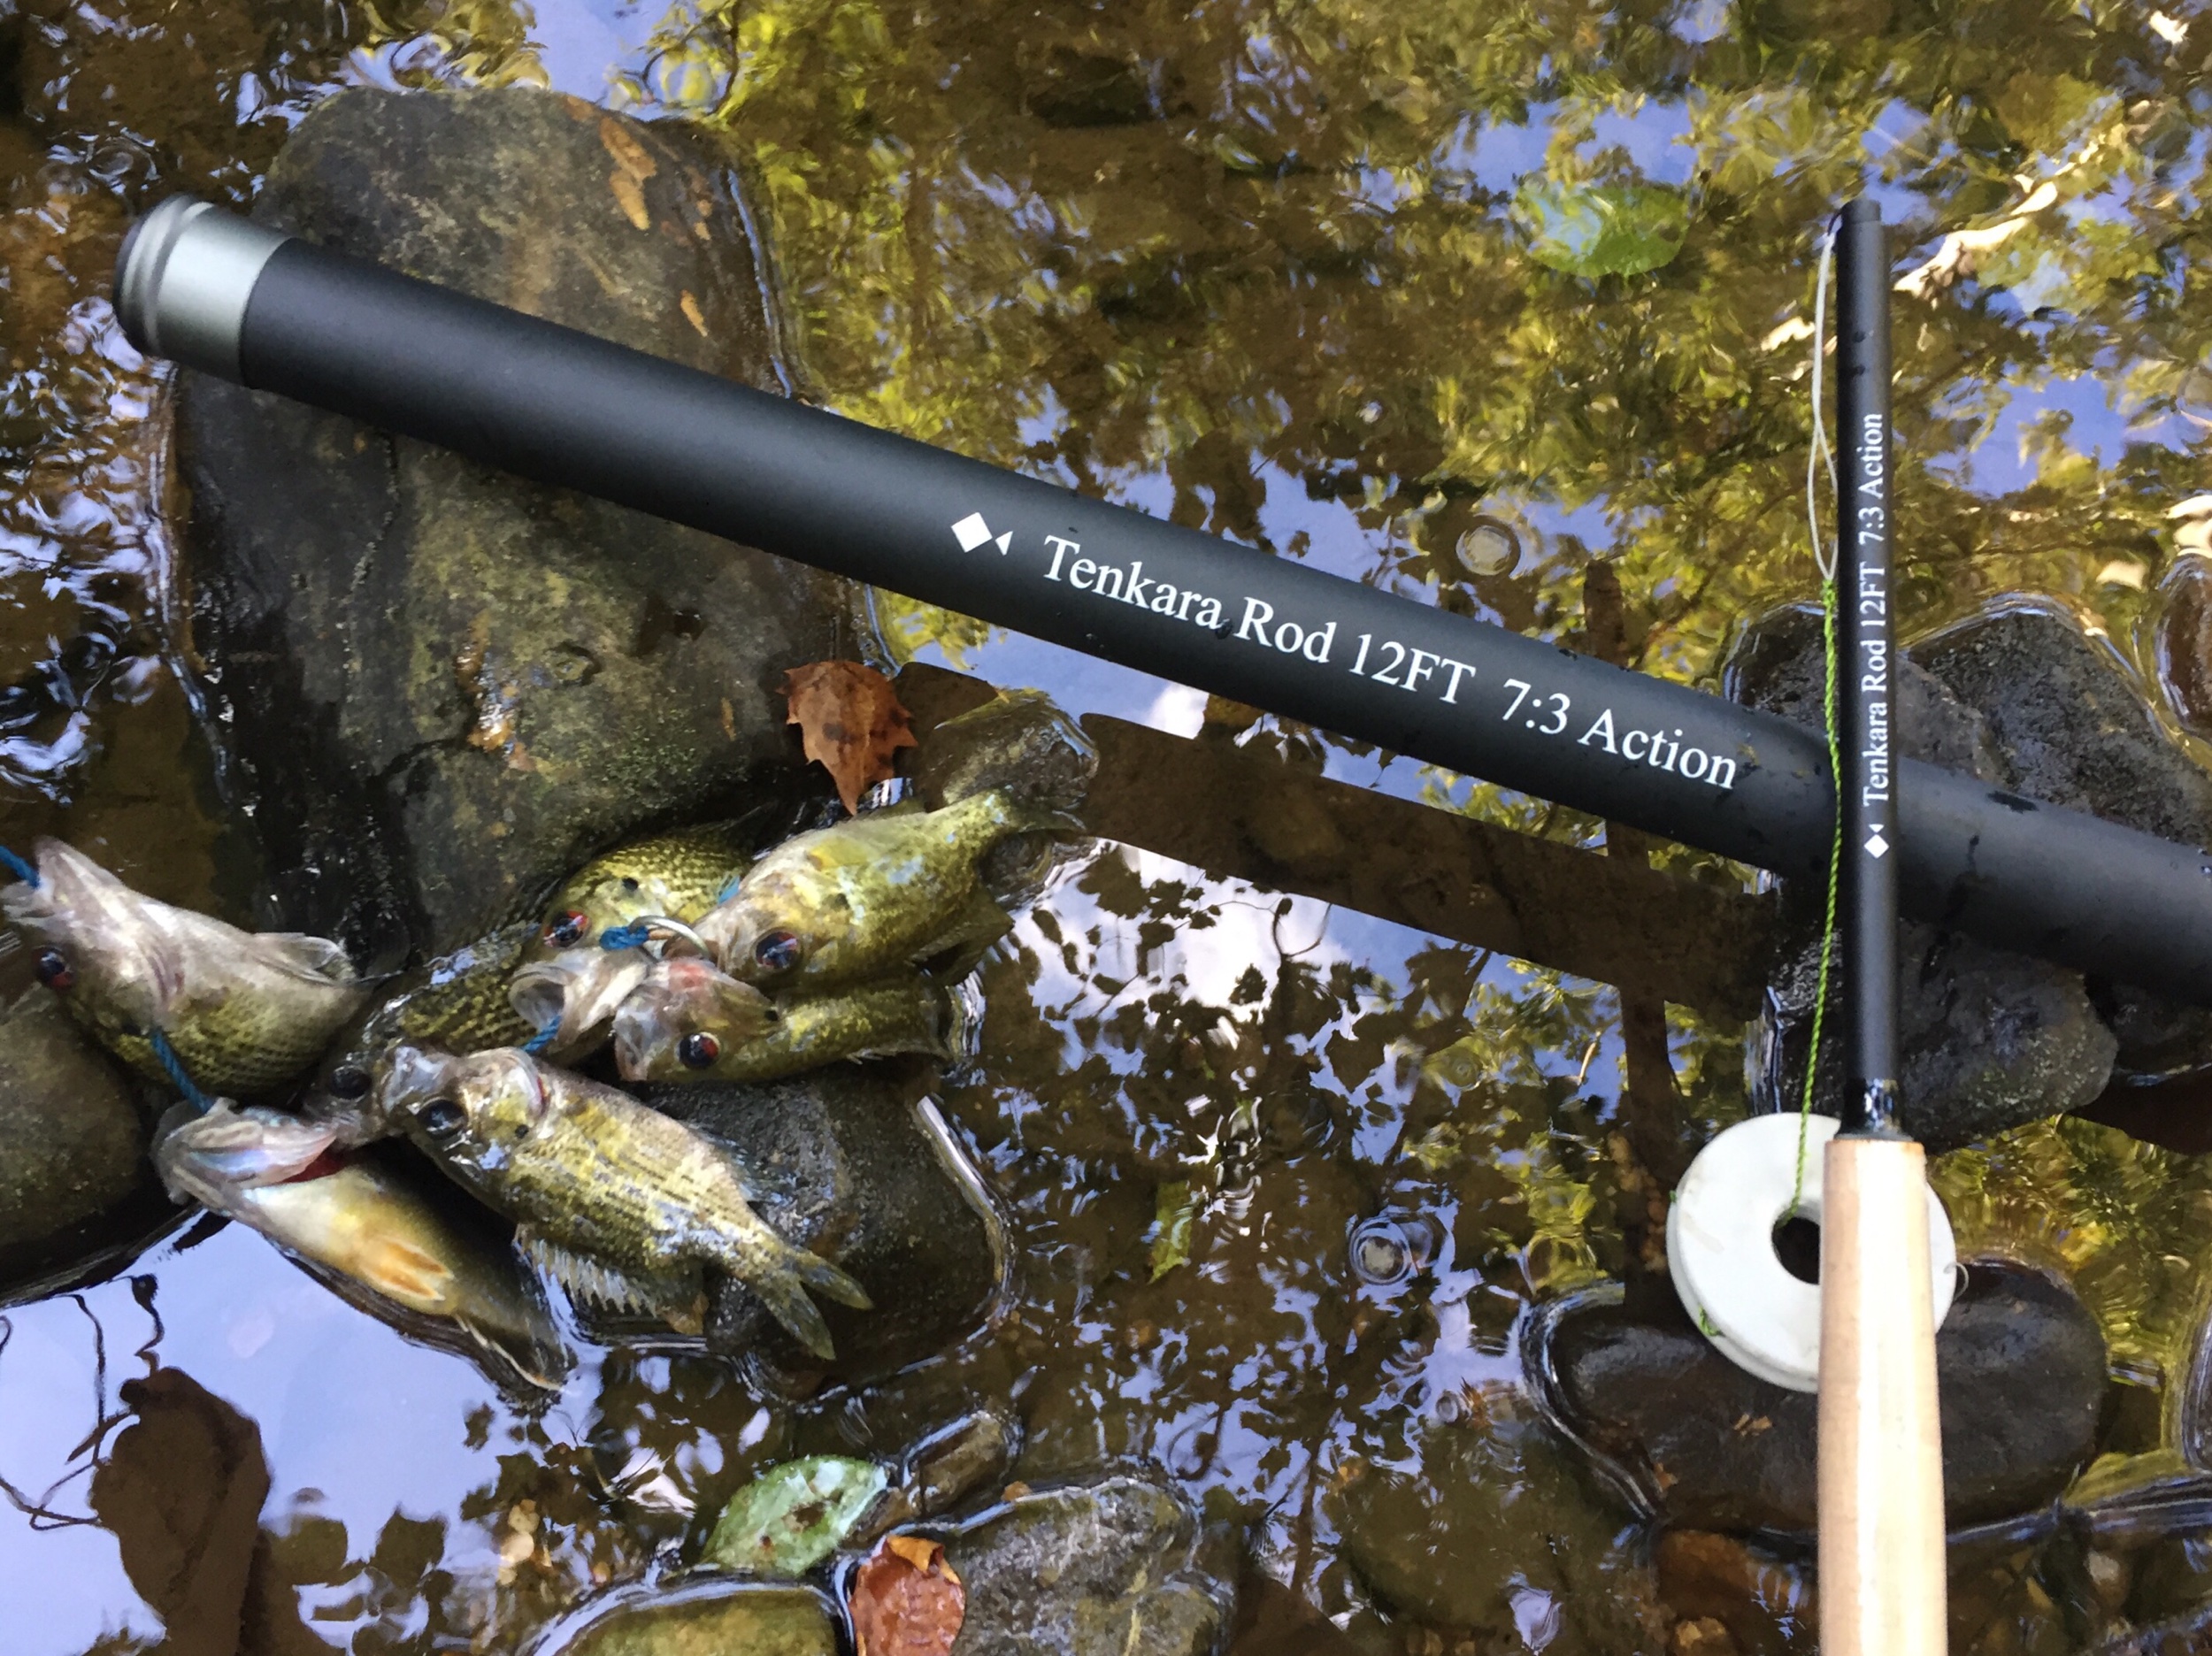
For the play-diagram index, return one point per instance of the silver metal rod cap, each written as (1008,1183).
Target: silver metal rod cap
(183,281)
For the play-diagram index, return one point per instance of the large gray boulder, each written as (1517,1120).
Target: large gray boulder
(440,689)
(1686,1436)
(845,1161)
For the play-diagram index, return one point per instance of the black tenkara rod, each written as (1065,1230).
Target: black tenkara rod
(1867,902)
(560,407)
(1882,1583)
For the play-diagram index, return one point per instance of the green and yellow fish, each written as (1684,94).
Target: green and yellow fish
(243,1012)
(621,1203)
(869,897)
(688,1021)
(459,1002)
(680,876)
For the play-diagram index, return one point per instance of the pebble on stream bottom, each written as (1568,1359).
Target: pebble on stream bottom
(1118,1568)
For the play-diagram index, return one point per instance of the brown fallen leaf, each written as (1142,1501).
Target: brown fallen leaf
(906,1600)
(852,723)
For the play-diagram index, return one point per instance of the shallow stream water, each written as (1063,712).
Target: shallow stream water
(1307,275)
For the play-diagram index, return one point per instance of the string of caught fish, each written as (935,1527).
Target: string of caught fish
(683,958)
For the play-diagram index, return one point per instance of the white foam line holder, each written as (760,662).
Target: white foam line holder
(1720,1248)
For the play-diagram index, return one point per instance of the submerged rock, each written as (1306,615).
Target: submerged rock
(971,1454)
(444,689)
(840,1161)
(1686,1436)
(1987,1039)
(74,1136)
(1118,1568)
(707,1618)
(2073,729)
(2184,644)
(1489,1530)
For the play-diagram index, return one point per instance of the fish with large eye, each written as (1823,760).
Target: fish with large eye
(688,1021)
(680,876)
(457,1002)
(870,897)
(243,1012)
(622,1204)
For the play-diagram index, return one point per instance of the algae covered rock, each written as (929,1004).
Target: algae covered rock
(843,1162)
(1118,1568)
(793,1516)
(75,1138)
(441,689)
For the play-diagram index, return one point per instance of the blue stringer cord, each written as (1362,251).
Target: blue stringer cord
(17,866)
(174,1065)
(543,1038)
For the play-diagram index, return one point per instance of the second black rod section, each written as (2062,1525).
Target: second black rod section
(561,408)
(1866,672)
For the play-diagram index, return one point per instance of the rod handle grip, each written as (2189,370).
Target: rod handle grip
(1882,1580)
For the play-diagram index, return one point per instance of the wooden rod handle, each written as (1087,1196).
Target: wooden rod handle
(1881,1447)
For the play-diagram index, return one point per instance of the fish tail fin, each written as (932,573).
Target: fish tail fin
(823,1278)
(786,1300)
(782,1287)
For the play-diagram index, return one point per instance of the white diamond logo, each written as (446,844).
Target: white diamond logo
(972,532)
(1875,846)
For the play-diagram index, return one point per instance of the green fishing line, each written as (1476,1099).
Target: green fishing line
(1835,871)
(1817,454)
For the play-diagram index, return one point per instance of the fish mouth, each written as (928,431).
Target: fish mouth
(122,945)
(644,1034)
(577,991)
(530,1080)
(211,1158)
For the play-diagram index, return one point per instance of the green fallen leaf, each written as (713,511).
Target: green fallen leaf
(1600,229)
(792,1517)
(1171,1228)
